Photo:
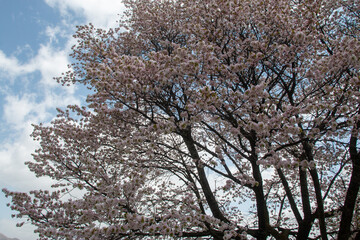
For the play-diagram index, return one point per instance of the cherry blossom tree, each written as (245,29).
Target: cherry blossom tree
(217,119)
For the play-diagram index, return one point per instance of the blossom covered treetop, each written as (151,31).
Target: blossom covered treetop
(217,119)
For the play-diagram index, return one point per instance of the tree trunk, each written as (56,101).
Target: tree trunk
(353,190)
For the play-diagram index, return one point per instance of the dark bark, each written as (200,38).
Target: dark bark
(319,200)
(210,198)
(352,192)
(305,225)
(320,203)
(289,196)
(263,214)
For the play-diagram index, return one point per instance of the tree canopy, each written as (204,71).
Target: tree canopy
(217,119)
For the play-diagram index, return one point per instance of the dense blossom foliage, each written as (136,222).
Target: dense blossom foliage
(217,119)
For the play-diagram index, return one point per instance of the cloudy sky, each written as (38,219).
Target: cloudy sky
(35,40)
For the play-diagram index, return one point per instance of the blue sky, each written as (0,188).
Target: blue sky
(35,40)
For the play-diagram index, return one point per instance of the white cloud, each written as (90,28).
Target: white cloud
(101,13)
(14,173)
(53,32)
(21,105)
(20,111)
(8,228)
(49,61)
(10,67)
(17,109)
(19,114)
